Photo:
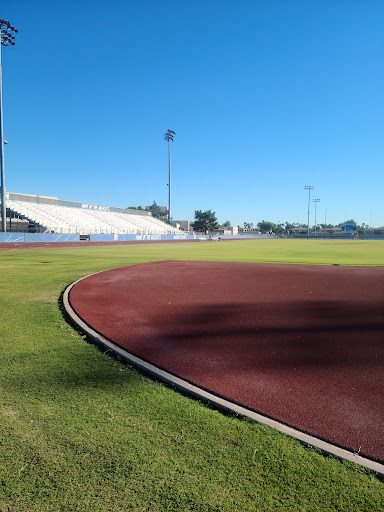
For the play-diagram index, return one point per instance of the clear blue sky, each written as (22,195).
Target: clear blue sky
(265,97)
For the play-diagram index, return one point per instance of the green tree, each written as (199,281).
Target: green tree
(288,226)
(135,208)
(205,221)
(157,212)
(227,224)
(279,229)
(267,227)
(362,229)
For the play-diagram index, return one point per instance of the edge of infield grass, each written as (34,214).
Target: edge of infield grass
(82,432)
(209,398)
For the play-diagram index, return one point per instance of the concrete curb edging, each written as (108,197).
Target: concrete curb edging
(189,389)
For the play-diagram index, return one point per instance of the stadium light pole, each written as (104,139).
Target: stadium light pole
(309,188)
(315,201)
(7,38)
(169,137)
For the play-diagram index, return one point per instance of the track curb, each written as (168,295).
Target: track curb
(217,402)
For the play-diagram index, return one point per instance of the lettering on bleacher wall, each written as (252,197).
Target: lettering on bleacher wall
(148,237)
(95,207)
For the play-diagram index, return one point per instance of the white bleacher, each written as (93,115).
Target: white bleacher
(64,219)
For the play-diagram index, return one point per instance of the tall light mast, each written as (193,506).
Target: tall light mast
(315,201)
(309,188)
(7,39)
(169,137)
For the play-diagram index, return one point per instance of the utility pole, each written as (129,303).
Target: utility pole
(315,201)
(169,137)
(7,38)
(309,188)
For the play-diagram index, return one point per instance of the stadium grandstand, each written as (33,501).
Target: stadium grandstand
(42,214)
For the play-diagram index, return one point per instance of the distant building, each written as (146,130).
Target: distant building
(349,226)
(329,231)
(374,231)
(227,231)
(184,225)
(302,230)
(253,231)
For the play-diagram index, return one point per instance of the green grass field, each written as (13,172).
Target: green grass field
(79,431)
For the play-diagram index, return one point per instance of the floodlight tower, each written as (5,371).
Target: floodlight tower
(315,201)
(309,188)
(7,38)
(169,137)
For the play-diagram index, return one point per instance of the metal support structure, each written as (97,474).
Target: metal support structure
(169,137)
(3,205)
(7,38)
(169,180)
(309,188)
(315,201)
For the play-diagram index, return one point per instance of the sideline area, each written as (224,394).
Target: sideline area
(57,245)
(300,344)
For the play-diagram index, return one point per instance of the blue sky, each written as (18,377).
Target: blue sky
(265,97)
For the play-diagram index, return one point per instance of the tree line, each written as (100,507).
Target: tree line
(266,226)
(206,221)
(155,209)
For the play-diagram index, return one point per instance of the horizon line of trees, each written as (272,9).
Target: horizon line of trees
(284,227)
(206,221)
(155,209)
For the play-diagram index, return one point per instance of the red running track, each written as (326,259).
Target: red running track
(302,344)
(15,246)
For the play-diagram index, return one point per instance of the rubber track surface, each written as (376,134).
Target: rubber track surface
(302,344)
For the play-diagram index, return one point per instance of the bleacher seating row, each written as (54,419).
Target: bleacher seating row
(63,219)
